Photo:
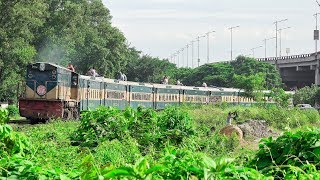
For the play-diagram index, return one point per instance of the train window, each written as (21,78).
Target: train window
(138,96)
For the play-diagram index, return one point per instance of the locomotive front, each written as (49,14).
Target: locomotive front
(47,92)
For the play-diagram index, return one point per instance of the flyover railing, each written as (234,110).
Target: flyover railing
(285,57)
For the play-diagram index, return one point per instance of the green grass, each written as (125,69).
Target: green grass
(53,146)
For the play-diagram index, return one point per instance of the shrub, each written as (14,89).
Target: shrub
(175,124)
(13,111)
(104,123)
(4,116)
(289,150)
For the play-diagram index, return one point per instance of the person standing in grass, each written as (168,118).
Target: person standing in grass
(229,118)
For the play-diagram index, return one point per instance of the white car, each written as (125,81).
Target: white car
(305,106)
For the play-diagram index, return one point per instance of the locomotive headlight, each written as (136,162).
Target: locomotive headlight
(42,67)
(41,90)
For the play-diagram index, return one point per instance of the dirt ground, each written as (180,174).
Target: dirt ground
(250,132)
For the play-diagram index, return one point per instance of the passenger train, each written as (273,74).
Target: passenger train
(52,91)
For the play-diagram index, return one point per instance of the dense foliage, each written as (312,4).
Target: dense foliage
(4,116)
(293,153)
(147,148)
(307,95)
(77,31)
(145,125)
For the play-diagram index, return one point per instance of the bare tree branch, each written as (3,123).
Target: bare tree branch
(318,2)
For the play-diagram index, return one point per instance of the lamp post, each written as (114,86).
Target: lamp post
(276,23)
(208,44)
(252,49)
(265,46)
(316,38)
(192,59)
(231,29)
(198,39)
(182,50)
(178,54)
(280,30)
(187,46)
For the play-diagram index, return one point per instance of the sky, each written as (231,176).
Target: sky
(162,27)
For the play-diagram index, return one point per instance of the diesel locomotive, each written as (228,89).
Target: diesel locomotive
(52,91)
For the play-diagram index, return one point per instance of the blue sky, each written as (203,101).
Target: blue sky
(162,27)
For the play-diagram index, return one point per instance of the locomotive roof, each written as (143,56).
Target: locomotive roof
(51,64)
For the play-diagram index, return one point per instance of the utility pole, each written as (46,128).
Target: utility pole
(198,39)
(208,44)
(276,23)
(231,29)
(265,46)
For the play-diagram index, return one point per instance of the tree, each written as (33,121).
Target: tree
(149,69)
(250,66)
(251,84)
(80,31)
(19,20)
(280,97)
(306,95)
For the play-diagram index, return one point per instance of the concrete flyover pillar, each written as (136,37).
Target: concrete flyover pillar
(317,72)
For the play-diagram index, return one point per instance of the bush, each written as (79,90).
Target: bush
(13,111)
(100,125)
(148,127)
(297,149)
(4,116)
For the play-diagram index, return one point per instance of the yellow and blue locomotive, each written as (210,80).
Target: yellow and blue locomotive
(52,91)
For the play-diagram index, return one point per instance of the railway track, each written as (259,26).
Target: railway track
(20,121)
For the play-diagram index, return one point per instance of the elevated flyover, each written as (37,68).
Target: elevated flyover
(297,70)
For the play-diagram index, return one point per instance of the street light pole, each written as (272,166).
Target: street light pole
(276,23)
(255,49)
(316,38)
(192,59)
(182,50)
(231,29)
(265,46)
(208,44)
(198,39)
(280,30)
(178,54)
(187,54)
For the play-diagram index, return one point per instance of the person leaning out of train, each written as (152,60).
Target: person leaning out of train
(92,72)
(70,67)
(165,80)
(122,76)
(204,84)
